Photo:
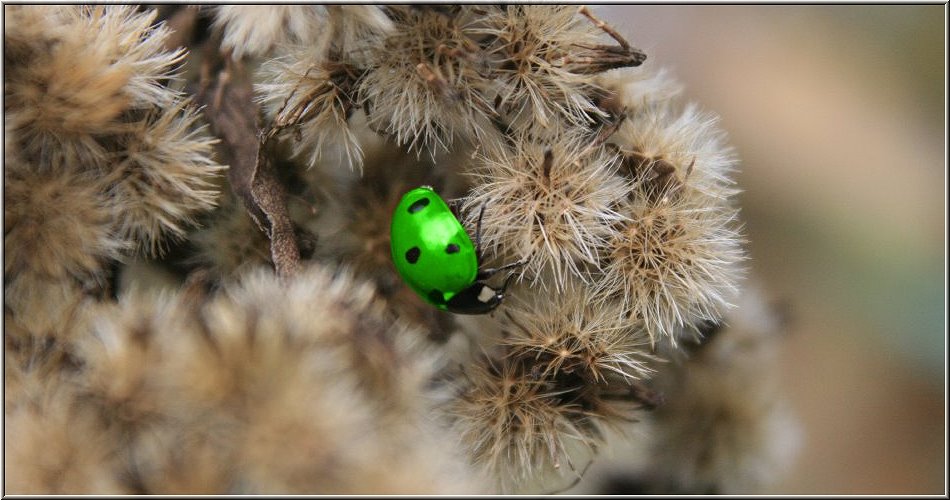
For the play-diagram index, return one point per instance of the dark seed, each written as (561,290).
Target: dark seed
(412,255)
(418,205)
(452,248)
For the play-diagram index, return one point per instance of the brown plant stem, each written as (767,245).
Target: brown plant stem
(233,115)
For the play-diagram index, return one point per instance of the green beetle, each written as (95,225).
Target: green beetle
(436,257)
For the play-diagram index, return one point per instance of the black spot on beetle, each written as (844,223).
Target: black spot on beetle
(412,255)
(452,248)
(418,205)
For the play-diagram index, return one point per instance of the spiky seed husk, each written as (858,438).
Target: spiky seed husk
(314,98)
(254,30)
(726,427)
(541,95)
(552,205)
(163,175)
(675,260)
(57,227)
(264,386)
(424,84)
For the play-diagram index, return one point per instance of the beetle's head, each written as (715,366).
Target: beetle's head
(478,298)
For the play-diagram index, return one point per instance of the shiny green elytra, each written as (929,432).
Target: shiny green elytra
(430,248)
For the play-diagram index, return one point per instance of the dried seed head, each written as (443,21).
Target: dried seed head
(230,243)
(56,447)
(658,138)
(582,334)
(725,427)
(554,206)
(56,226)
(96,98)
(314,100)
(567,369)
(70,81)
(300,385)
(135,41)
(675,259)
(353,27)
(424,84)
(254,30)
(633,89)
(515,427)
(163,175)
(62,86)
(544,57)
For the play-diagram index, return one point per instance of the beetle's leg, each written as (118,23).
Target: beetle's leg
(488,273)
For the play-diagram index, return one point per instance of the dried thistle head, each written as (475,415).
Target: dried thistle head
(725,427)
(56,226)
(254,30)
(59,86)
(514,427)
(268,386)
(313,97)
(552,205)
(675,258)
(163,175)
(581,334)
(545,58)
(424,83)
(541,401)
(70,81)
(632,89)
(54,446)
(97,98)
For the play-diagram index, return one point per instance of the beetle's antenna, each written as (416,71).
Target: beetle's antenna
(488,273)
(478,232)
(504,286)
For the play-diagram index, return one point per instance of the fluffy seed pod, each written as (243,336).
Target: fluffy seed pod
(554,206)
(579,333)
(95,98)
(315,97)
(547,85)
(56,226)
(675,258)
(564,373)
(259,388)
(632,89)
(254,30)
(515,427)
(424,84)
(62,86)
(55,446)
(163,176)
(79,74)
(725,427)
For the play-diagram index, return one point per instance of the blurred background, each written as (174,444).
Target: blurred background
(838,116)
